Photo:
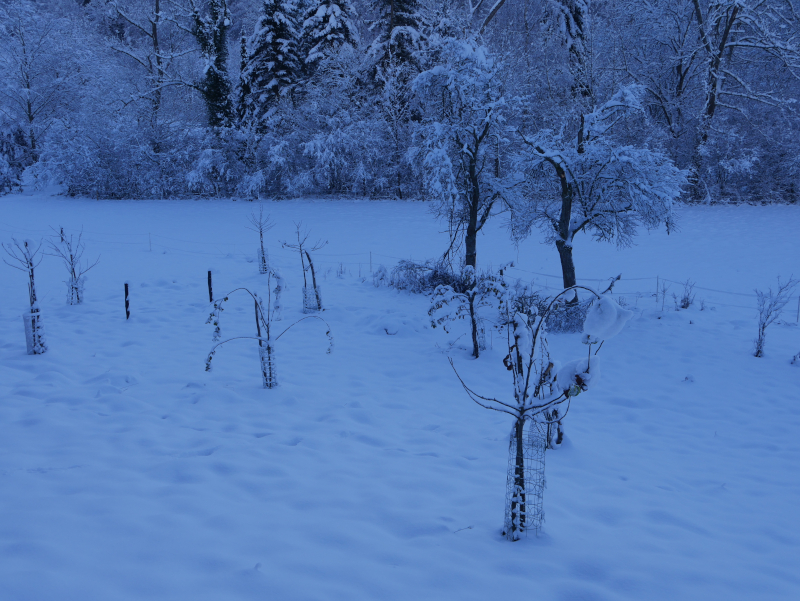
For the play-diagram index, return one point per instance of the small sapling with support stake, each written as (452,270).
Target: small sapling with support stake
(265,335)
(70,251)
(312,298)
(26,255)
(541,387)
(261,224)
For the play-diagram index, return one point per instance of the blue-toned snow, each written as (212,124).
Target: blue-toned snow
(127,472)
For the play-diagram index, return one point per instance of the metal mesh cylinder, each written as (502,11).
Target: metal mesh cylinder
(312,300)
(525,482)
(269,375)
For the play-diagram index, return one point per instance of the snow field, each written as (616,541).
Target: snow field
(128,472)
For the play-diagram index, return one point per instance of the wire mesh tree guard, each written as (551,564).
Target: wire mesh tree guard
(312,299)
(263,260)
(525,481)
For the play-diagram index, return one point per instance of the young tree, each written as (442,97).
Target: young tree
(463,299)
(261,224)
(26,256)
(271,64)
(541,386)
(312,298)
(70,251)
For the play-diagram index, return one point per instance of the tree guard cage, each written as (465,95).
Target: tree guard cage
(75,290)
(263,260)
(34,333)
(266,353)
(312,299)
(525,481)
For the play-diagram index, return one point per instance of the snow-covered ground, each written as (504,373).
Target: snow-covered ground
(127,472)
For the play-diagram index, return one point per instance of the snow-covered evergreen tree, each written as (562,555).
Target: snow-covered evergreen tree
(327,27)
(272,64)
(397,23)
(211,32)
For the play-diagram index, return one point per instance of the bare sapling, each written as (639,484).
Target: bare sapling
(770,306)
(70,251)
(664,290)
(265,334)
(687,297)
(542,389)
(312,297)
(26,256)
(261,224)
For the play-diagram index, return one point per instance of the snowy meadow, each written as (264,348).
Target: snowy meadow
(128,472)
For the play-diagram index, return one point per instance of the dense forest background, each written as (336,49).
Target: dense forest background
(470,103)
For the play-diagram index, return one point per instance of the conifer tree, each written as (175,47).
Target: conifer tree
(326,28)
(272,65)
(211,32)
(398,23)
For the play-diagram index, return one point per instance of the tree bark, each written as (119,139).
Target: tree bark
(567,264)
(471,237)
(473,320)
(518,503)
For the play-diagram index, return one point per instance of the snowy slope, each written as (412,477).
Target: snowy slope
(127,472)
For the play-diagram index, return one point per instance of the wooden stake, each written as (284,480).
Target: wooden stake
(127,303)
(210,293)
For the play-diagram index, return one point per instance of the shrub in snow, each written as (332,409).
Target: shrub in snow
(261,225)
(687,297)
(543,391)
(264,330)
(312,297)
(380,277)
(70,251)
(26,256)
(463,298)
(770,306)
(422,277)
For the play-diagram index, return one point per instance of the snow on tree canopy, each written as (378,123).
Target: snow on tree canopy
(604,319)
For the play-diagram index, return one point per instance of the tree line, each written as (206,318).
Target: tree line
(567,113)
